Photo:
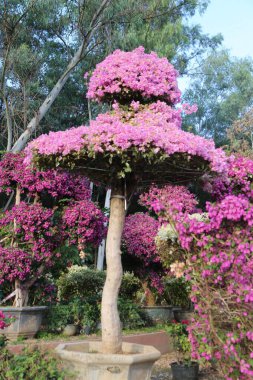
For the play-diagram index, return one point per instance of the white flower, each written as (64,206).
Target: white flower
(167,232)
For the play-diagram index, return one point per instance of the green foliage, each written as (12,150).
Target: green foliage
(131,315)
(130,286)
(77,312)
(222,89)
(31,364)
(181,343)
(82,283)
(177,292)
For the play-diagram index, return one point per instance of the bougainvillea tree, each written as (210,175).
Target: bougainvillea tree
(31,234)
(137,143)
(220,267)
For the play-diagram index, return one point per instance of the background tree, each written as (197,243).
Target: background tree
(223,90)
(240,135)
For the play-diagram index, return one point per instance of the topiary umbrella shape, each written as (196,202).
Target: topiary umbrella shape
(137,143)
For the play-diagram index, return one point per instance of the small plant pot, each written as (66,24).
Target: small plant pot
(182,371)
(70,330)
(86,330)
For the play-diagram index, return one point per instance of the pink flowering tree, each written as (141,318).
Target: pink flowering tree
(31,234)
(137,143)
(221,272)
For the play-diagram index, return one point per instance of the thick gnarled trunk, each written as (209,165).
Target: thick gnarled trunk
(111,326)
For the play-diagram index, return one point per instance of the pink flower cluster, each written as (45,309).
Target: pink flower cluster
(139,235)
(3,320)
(14,264)
(221,272)
(84,223)
(134,75)
(32,227)
(58,184)
(168,199)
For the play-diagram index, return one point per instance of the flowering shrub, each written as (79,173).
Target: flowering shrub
(167,200)
(134,75)
(221,271)
(14,264)
(139,240)
(32,235)
(139,237)
(33,227)
(237,180)
(84,223)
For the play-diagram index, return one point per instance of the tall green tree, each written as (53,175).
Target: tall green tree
(223,91)
(47,45)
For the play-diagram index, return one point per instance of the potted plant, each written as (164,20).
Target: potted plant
(33,231)
(137,143)
(184,367)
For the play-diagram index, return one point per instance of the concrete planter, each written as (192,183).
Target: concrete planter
(159,313)
(27,321)
(87,361)
(181,314)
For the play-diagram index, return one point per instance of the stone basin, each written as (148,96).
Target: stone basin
(88,362)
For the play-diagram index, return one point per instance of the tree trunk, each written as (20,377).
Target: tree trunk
(33,124)
(111,326)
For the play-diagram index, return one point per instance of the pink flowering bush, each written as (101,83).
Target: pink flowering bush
(134,75)
(31,226)
(32,237)
(84,223)
(138,239)
(220,267)
(167,200)
(237,180)
(139,235)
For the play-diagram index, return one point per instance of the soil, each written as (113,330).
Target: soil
(162,370)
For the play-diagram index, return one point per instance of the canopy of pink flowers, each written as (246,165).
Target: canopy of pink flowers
(57,183)
(129,136)
(130,75)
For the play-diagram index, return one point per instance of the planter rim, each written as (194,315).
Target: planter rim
(182,365)
(157,307)
(150,354)
(24,308)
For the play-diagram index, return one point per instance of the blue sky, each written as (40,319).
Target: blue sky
(234,20)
